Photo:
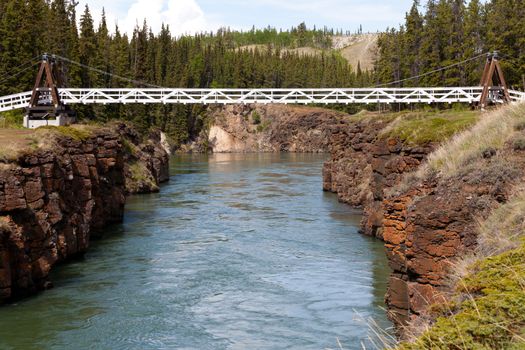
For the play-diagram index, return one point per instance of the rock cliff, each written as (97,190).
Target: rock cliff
(54,198)
(427,220)
(270,128)
(433,220)
(365,163)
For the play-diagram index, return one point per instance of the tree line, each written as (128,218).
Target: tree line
(436,35)
(445,32)
(29,28)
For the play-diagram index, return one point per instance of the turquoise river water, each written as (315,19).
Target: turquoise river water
(236,252)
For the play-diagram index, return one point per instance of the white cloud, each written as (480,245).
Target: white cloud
(182,16)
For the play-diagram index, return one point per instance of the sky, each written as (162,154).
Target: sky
(191,16)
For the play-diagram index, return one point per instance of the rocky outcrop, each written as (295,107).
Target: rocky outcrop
(270,128)
(364,165)
(52,200)
(435,222)
(146,160)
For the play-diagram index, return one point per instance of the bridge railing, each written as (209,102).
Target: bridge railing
(263,96)
(283,96)
(517,96)
(10,102)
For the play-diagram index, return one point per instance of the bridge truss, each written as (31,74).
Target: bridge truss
(264,96)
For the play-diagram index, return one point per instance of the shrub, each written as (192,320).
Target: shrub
(263,127)
(519,144)
(256,118)
(11,119)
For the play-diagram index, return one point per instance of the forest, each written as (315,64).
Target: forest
(29,28)
(445,32)
(435,34)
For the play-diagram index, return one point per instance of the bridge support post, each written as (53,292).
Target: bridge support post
(493,82)
(45,106)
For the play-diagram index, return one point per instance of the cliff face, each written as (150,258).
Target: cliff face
(146,162)
(52,200)
(431,225)
(271,128)
(364,165)
(427,216)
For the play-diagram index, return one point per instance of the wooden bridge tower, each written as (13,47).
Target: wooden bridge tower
(493,82)
(45,106)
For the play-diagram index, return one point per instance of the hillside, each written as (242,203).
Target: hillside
(356,49)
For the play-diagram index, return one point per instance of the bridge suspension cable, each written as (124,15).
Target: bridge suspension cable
(433,71)
(133,81)
(19,70)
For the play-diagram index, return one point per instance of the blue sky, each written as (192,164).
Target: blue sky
(189,16)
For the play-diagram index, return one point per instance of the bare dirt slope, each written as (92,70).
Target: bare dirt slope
(358,49)
(355,48)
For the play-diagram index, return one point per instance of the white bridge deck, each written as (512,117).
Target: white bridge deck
(264,96)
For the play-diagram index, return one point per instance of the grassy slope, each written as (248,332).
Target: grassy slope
(361,49)
(432,126)
(488,309)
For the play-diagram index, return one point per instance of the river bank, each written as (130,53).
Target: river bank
(444,192)
(59,187)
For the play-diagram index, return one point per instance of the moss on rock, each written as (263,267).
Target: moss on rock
(421,128)
(492,313)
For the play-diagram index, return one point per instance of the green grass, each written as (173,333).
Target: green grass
(425,127)
(492,316)
(139,175)
(12,119)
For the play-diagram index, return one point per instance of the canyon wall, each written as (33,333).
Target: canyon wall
(365,164)
(435,221)
(270,128)
(427,213)
(53,199)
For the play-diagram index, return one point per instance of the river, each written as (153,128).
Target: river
(236,252)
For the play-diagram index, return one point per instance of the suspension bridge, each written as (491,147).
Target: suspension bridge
(46,100)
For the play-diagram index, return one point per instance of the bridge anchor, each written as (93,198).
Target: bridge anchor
(45,106)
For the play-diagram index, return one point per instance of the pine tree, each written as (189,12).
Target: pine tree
(412,41)
(17,39)
(102,55)
(87,48)
(474,43)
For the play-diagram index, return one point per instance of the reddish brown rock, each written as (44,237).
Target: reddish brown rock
(433,223)
(364,166)
(52,202)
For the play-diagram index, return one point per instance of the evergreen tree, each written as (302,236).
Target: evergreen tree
(412,42)
(87,49)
